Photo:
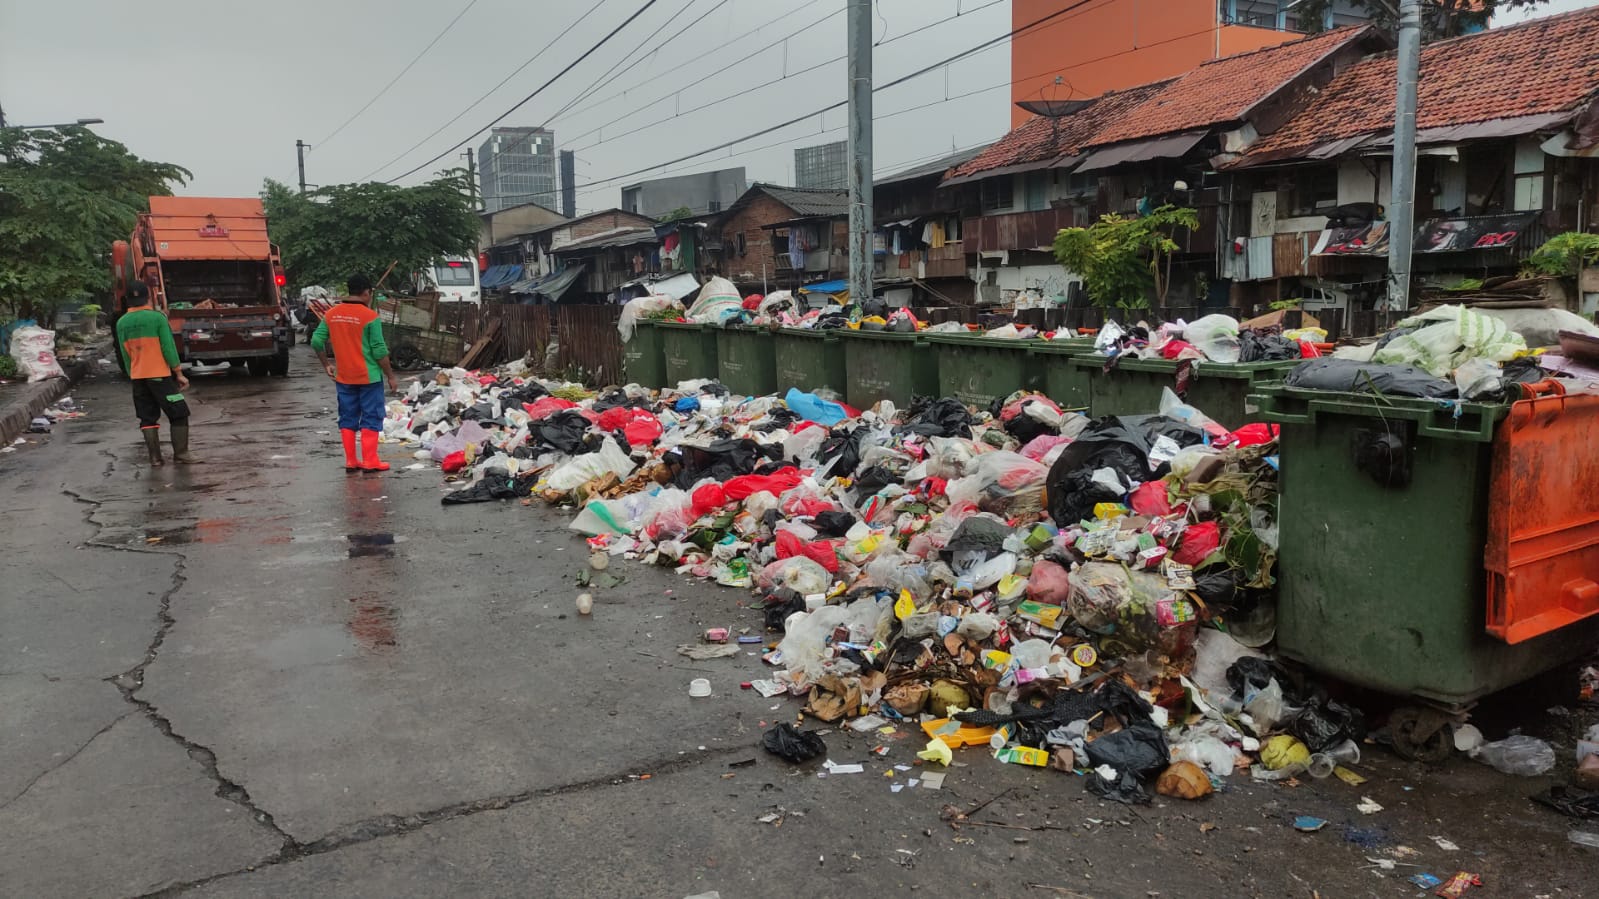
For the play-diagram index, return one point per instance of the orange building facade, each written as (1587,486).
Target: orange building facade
(1114,44)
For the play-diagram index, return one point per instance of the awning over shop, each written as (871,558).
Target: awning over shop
(1440,235)
(1170,147)
(498,276)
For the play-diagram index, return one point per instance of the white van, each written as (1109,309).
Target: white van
(458,281)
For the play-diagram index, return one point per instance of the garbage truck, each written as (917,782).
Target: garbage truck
(215,274)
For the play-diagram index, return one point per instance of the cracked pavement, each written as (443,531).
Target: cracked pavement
(262,677)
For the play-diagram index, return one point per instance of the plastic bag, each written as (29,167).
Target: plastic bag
(811,407)
(1209,753)
(1007,484)
(1447,337)
(1049,583)
(793,745)
(643,307)
(1519,755)
(1476,378)
(582,469)
(34,350)
(1216,336)
(790,545)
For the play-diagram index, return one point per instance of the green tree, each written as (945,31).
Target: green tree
(1439,18)
(1121,259)
(65,196)
(681,212)
(333,232)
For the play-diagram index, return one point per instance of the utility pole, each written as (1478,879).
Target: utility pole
(471,174)
(860,151)
(300,147)
(1402,208)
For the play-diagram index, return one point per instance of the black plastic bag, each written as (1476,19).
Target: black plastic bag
(722,460)
(979,533)
(846,448)
(1120,444)
(564,431)
(1349,376)
(1573,801)
(1024,427)
(1255,347)
(1218,585)
(780,604)
(834,524)
(1251,674)
(490,488)
(872,480)
(1126,788)
(791,744)
(946,417)
(1324,723)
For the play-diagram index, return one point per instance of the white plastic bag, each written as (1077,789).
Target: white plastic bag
(1216,336)
(638,308)
(582,469)
(34,349)
(719,301)
(1447,337)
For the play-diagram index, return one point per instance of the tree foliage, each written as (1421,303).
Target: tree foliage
(1439,18)
(331,233)
(1120,259)
(65,196)
(1564,255)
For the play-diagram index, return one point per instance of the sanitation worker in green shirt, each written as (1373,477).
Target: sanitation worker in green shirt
(144,337)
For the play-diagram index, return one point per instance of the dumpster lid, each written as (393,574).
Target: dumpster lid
(1543,518)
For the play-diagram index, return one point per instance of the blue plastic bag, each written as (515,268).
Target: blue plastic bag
(688,404)
(811,407)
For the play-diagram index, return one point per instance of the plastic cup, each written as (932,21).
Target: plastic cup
(699,688)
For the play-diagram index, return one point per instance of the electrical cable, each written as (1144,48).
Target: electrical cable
(540,89)
(379,95)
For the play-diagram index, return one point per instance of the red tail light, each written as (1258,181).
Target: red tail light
(280,279)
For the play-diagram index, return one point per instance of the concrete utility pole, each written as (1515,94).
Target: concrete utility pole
(1402,208)
(471,175)
(300,147)
(860,150)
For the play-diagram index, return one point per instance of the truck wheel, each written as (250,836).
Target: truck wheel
(257,366)
(279,363)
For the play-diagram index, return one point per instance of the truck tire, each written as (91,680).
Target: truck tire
(259,366)
(278,364)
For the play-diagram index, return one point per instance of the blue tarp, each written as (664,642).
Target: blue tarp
(501,276)
(831,287)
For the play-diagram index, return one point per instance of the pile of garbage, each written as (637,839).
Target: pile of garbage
(1019,577)
(1213,338)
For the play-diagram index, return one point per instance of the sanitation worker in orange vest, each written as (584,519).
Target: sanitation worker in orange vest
(359,369)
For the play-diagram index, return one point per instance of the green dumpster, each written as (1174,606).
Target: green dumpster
(809,360)
(1063,382)
(642,357)
(978,370)
(688,351)
(1133,386)
(746,361)
(1386,509)
(886,365)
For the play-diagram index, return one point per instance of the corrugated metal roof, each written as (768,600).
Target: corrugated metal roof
(809,202)
(617,237)
(936,167)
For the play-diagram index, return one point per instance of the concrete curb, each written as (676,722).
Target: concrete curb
(31,401)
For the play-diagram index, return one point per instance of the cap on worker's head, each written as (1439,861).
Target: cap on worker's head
(359,285)
(138,293)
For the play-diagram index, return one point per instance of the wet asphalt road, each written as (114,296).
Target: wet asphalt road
(262,677)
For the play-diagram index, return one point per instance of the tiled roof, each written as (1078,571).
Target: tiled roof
(1042,138)
(1548,65)
(1225,90)
(809,201)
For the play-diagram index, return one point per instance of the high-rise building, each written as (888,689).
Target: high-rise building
(821,166)
(517,165)
(1117,44)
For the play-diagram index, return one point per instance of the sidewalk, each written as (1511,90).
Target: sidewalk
(21,402)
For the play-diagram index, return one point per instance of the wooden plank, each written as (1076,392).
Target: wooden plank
(479,349)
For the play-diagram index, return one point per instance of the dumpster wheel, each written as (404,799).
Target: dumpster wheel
(1421,734)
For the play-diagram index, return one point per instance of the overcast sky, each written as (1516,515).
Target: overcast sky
(226,94)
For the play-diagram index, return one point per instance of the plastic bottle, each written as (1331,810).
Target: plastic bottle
(1322,763)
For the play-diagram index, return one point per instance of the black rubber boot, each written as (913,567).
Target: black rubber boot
(152,442)
(180,446)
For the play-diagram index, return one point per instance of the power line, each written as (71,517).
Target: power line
(991,42)
(490,92)
(540,89)
(752,89)
(396,78)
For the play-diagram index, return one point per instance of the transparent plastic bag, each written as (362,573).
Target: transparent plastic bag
(1216,336)
(582,469)
(1520,755)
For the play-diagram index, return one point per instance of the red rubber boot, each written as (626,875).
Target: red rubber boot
(350,463)
(370,461)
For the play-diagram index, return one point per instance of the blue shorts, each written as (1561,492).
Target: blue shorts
(360,407)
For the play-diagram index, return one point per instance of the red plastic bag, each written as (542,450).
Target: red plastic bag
(1198,542)
(1151,498)
(821,552)
(708,498)
(547,406)
(777,483)
(1049,583)
(753,301)
(454,462)
(1308,350)
(1251,435)
(640,426)
(1173,348)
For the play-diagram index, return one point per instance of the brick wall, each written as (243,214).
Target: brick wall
(762,210)
(608,222)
